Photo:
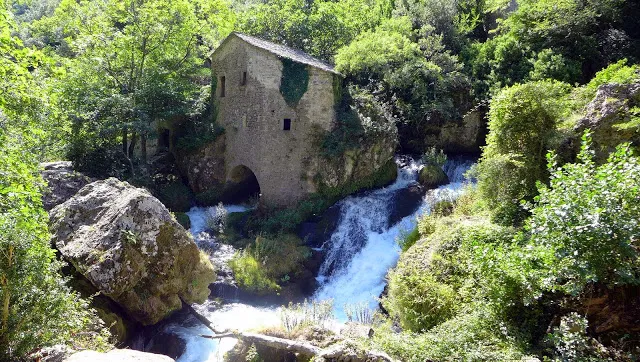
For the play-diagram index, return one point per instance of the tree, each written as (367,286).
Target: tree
(523,123)
(36,306)
(417,81)
(317,27)
(586,222)
(136,63)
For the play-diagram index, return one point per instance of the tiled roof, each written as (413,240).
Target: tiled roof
(285,52)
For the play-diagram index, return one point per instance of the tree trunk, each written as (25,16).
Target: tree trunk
(143,148)
(132,146)
(125,132)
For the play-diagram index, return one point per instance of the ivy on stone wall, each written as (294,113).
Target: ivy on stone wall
(294,82)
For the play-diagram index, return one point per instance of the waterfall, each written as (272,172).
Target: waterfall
(363,247)
(358,255)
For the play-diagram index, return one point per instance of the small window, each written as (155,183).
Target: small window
(287,124)
(223,85)
(243,79)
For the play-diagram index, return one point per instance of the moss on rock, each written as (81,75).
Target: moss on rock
(432,176)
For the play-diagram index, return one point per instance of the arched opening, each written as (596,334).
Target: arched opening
(242,185)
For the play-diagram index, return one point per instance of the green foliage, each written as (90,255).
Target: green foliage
(433,279)
(249,273)
(618,72)
(408,240)
(523,122)
(138,64)
(37,308)
(571,343)
(183,219)
(319,28)
(261,267)
(412,76)
(565,40)
(584,224)
(294,82)
(434,157)
(472,335)
(360,121)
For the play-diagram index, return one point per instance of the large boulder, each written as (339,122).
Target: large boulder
(62,183)
(432,176)
(128,245)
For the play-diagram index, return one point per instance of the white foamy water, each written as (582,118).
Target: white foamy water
(361,278)
(358,256)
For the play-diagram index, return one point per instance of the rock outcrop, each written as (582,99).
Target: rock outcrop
(62,182)
(204,168)
(612,107)
(120,355)
(432,176)
(128,245)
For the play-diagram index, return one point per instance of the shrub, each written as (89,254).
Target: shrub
(38,307)
(522,127)
(250,274)
(585,224)
(183,219)
(471,335)
(269,262)
(434,157)
(436,277)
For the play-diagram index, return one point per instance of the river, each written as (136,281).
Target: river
(358,255)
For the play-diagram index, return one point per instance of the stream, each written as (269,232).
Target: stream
(358,255)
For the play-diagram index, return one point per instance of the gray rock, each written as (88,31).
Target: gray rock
(62,182)
(118,355)
(127,244)
(57,353)
(611,107)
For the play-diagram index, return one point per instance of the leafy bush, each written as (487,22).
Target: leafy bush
(269,262)
(472,335)
(584,225)
(250,274)
(523,123)
(183,219)
(570,341)
(434,157)
(428,285)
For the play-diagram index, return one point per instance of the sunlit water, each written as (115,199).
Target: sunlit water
(358,256)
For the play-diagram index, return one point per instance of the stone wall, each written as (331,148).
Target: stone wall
(253,116)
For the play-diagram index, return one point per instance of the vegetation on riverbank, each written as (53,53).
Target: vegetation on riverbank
(511,272)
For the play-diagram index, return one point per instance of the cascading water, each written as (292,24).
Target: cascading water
(359,275)
(358,255)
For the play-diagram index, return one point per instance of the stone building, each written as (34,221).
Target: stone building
(270,99)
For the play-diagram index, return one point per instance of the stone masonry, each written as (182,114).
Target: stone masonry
(255,116)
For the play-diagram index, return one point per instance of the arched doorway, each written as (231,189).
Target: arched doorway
(242,185)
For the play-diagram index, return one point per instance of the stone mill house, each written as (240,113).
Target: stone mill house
(265,134)
(271,101)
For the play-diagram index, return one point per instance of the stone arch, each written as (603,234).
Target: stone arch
(242,185)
